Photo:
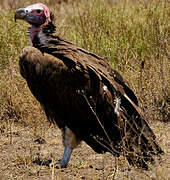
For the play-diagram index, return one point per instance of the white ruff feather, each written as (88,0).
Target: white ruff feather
(117,107)
(43,38)
(104,88)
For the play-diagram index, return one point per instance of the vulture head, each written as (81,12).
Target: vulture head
(36,15)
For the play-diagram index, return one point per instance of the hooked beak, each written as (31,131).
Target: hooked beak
(20,14)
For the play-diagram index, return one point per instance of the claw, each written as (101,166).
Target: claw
(65,159)
(57,165)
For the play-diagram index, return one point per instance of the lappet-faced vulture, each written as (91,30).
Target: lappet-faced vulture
(83,94)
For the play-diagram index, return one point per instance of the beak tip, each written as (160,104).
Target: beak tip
(15,17)
(19,14)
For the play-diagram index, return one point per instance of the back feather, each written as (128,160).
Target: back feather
(80,90)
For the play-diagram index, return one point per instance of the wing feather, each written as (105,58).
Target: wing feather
(80,90)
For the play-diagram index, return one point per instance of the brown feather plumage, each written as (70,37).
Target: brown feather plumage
(81,91)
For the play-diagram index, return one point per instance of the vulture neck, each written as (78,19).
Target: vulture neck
(40,36)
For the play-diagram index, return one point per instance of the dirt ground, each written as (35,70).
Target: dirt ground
(24,151)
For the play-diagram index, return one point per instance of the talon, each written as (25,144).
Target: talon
(64,161)
(51,165)
(58,165)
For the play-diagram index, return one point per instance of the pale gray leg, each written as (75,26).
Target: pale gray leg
(66,157)
(70,141)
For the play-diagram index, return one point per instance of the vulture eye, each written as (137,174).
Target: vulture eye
(38,11)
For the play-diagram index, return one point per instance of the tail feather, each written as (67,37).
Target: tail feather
(138,141)
(141,154)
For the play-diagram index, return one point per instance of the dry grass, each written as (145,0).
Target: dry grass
(133,36)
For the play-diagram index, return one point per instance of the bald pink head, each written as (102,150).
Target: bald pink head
(36,15)
(46,12)
(40,6)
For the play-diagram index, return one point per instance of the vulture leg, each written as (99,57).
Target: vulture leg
(70,141)
(66,157)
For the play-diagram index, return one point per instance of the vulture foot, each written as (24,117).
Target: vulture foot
(65,159)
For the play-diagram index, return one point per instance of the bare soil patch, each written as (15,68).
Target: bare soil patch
(22,148)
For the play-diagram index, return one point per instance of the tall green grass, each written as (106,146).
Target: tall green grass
(133,36)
